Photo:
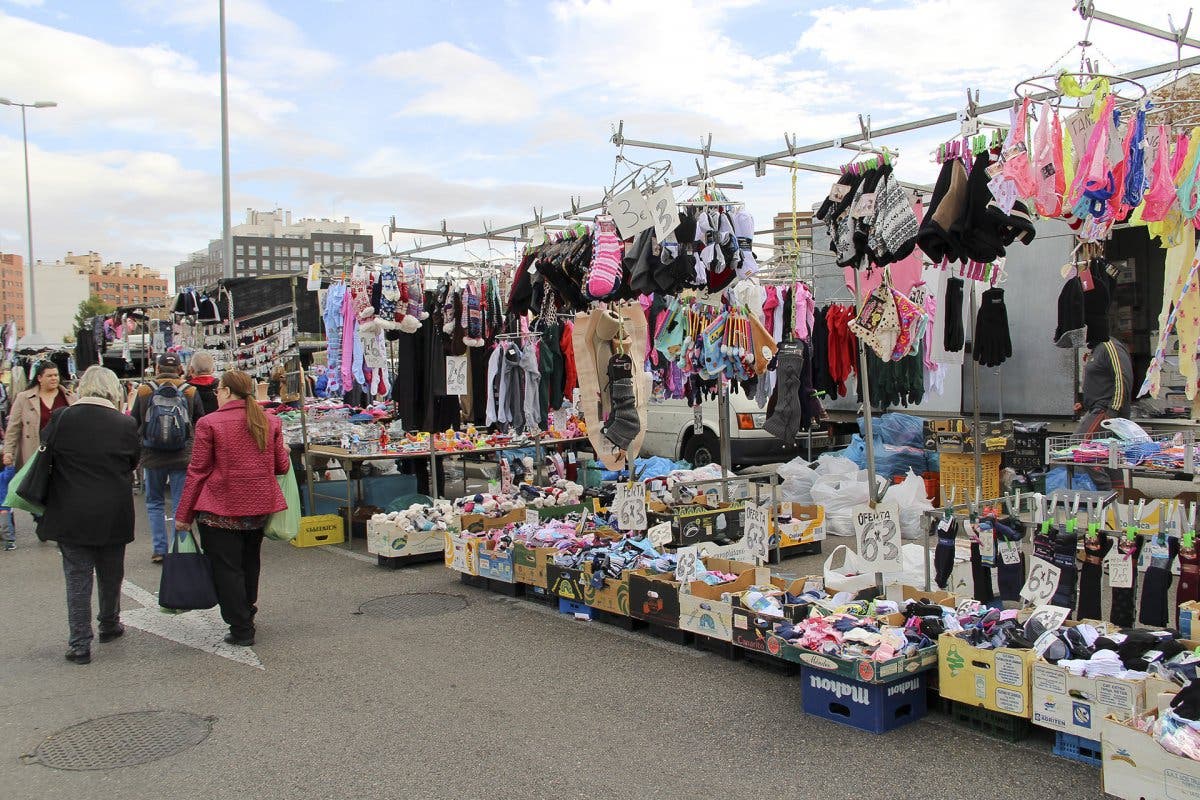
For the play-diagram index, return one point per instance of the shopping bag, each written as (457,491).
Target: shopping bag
(851,577)
(14,500)
(284,525)
(187,577)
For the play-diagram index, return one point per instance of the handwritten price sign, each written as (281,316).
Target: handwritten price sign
(758,537)
(878,534)
(631,507)
(1042,582)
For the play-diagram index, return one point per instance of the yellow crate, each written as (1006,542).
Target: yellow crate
(958,473)
(320,530)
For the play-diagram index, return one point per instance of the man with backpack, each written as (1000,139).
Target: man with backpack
(166,410)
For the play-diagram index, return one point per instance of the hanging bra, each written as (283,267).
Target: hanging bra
(1017,166)
(1047,153)
(1161,194)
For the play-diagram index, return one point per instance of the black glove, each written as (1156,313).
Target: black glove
(952,339)
(992,345)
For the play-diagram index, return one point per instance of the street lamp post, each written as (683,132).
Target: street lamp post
(30,312)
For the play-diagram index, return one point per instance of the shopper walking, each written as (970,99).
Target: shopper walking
(200,375)
(166,410)
(230,491)
(89,505)
(1106,393)
(30,413)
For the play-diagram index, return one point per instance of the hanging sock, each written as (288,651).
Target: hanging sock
(1156,586)
(604,277)
(622,426)
(1095,548)
(1124,601)
(943,554)
(1189,577)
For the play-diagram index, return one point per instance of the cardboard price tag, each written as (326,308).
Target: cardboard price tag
(1120,569)
(878,535)
(660,534)
(456,375)
(757,536)
(688,568)
(1050,617)
(661,203)
(531,516)
(1010,553)
(1042,582)
(631,214)
(631,507)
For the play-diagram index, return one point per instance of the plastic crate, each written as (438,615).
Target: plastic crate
(320,530)
(1077,748)
(566,606)
(992,723)
(958,475)
(871,707)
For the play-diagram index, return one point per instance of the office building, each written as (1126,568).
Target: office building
(120,285)
(12,290)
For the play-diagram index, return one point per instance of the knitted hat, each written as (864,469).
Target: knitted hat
(1071,326)
(981,235)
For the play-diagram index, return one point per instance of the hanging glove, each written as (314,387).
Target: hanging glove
(992,345)
(952,339)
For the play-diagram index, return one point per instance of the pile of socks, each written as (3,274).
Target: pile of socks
(488,505)
(437,517)
(852,636)
(561,492)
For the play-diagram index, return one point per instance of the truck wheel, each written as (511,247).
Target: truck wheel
(702,449)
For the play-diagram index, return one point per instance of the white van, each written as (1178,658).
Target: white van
(670,432)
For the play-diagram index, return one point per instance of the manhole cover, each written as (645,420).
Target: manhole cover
(122,740)
(414,604)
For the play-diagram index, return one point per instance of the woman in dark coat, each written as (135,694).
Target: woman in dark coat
(94,450)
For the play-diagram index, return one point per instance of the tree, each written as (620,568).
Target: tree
(94,306)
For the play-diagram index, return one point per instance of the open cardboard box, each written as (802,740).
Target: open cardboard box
(807,525)
(530,564)
(708,610)
(866,670)
(1136,767)
(613,597)
(462,552)
(482,522)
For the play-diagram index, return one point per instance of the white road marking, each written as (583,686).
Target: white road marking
(202,630)
(341,551)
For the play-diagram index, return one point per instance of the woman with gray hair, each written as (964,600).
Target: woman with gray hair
(93,448)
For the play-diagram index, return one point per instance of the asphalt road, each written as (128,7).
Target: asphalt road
(502,699)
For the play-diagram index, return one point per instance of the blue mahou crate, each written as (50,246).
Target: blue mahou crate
(1077,748)
(872,707)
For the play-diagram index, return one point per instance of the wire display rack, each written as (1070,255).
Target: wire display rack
(1162,454)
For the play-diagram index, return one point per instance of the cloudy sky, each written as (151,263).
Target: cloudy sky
(475,110)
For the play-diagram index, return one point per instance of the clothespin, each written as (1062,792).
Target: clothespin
(1188,540)
(1133,520)
(1049,517)
(1093,525)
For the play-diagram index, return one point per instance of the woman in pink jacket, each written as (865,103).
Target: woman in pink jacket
(230,492)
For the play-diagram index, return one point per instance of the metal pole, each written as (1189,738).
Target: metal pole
(723,427)
(226,219)
(866,390)
(975,397)
(1088,11)
(30,312)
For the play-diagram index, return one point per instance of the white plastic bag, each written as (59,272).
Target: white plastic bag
(909,497)
(798,478)
(850,576)
(828,465)
(840,495)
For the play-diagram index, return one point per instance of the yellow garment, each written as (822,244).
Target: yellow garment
(1069,161)
(1187,320)
(1098,88)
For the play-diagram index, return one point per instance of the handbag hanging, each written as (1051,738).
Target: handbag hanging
(187,577)
(33,481)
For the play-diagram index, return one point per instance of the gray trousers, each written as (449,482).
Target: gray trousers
(80,562)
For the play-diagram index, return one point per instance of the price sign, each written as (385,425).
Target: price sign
(1080,125)
(630,213)
(878,535)
(688,568)
(531,516)
(757,536)
(660,534)
(1005,192)
(661,203)
(313,283)
(697,419)
(1049,617)
(987,547)
(631,507)
(1042,582)
(1120,569)
(1010,553)
(456,375)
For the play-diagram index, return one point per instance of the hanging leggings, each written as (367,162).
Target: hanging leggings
(1011,577)
(332,317)
(1124,601)
(1091,574)
(1065,545)
(943,554)
(1156,587)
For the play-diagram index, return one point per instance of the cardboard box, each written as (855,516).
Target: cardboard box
(613,598)
(697,522)
(323,529)
(703,611)
(999,680)
(752,630)
(957,436)
(496,565)
(872,707)
(1076,705)
(462,553)
(654,598)
(530,564)
(386,538)
(862,670)
(1136,767)
(565,582)
(808,525)
(479,522)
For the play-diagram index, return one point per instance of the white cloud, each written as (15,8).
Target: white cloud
(26,3)
(456,83)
